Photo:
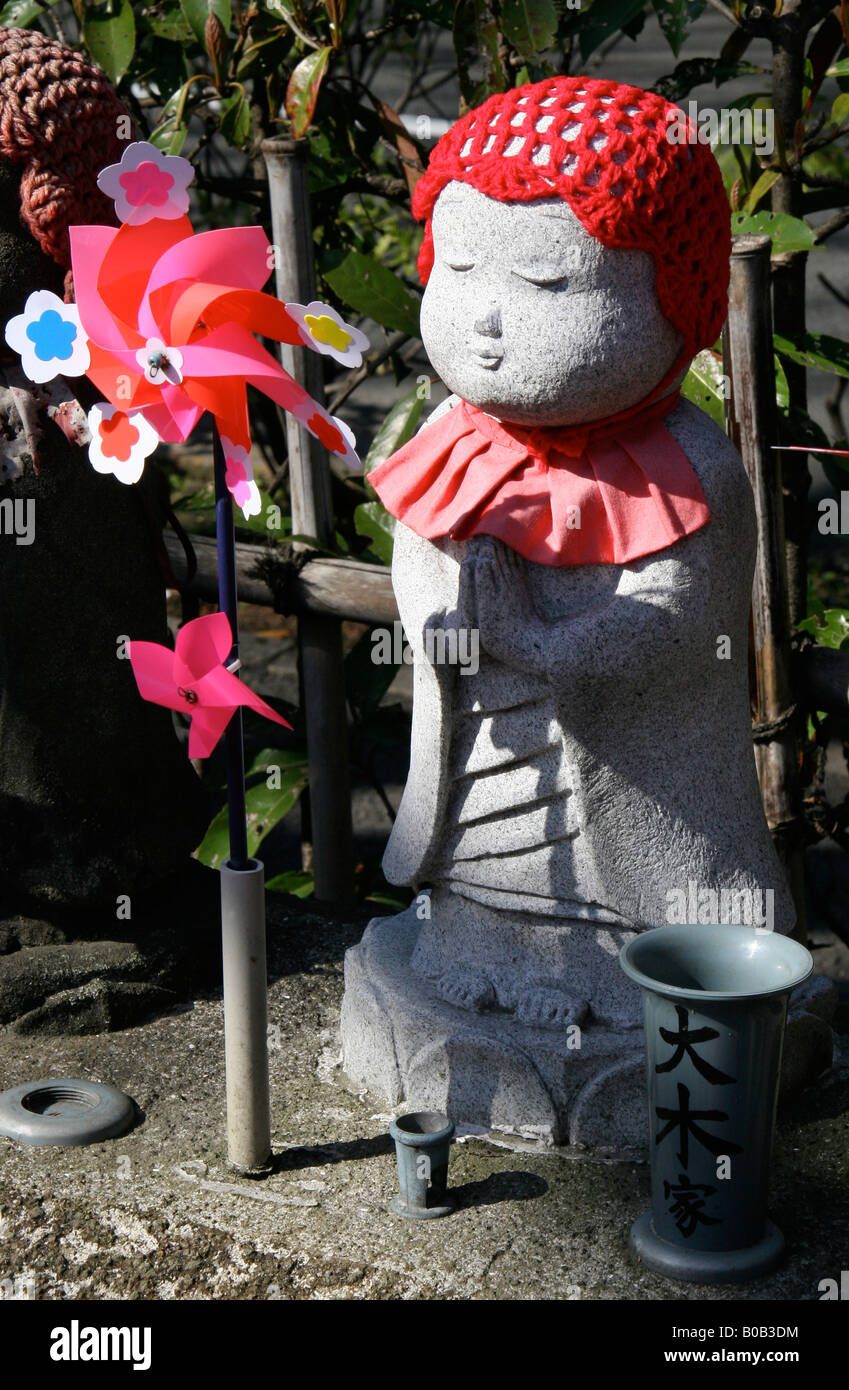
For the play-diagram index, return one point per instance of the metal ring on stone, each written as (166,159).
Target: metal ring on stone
(66,1112)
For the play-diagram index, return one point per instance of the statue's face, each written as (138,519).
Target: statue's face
(531,319)
(23,265)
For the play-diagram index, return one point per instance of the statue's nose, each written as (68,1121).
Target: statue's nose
(489,323)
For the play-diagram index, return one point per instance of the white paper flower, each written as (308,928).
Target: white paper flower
(160,364)
(147,184)
(49,337)
(322,329)
(120,443)
(239,477)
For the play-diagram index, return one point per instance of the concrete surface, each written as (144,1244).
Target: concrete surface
(146,1215)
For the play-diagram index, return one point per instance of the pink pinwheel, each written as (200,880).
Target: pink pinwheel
(170,319)
(170,316)
(194,680)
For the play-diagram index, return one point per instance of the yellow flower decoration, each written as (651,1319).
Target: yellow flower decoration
(323,330)
(326,330)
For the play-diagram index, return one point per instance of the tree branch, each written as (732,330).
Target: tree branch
(829,228)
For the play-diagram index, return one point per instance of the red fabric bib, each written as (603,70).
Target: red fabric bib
(633,486)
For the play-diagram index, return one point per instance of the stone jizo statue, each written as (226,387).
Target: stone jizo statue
(597,530)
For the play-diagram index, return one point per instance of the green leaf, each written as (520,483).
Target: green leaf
(276,757)
(302,91)
(170,134)
(369,288)
(807,83)
(674,16)
(840,109)
(816,350)
(398,426)
(299,882)
(197,11)
(170,139)
(529,25)
(110,36)
(266,807)
(19,14)
(705,385)
(761,186)
(373,520)
(606,18)
(171,25)
(829,628)
(788,233)
(386,898)
(234,120)
(782,390)
(840,69)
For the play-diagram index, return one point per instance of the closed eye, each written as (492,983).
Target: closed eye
(459,263)
(545,276)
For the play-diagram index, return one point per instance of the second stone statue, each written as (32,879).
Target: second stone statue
(594,776)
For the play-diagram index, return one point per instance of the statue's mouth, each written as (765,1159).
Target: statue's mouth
(488,359)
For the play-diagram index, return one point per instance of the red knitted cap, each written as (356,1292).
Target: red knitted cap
(603,148)
(59,119)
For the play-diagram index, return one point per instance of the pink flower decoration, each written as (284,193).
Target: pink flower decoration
(146,184)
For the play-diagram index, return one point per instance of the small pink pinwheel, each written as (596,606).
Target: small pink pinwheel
(194,680)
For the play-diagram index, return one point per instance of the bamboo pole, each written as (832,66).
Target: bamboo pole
(751,423)
(319,637)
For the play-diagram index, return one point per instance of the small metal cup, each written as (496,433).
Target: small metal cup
(422,1144)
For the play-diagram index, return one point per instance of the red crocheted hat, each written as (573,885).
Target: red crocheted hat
(603,148)
(59,119)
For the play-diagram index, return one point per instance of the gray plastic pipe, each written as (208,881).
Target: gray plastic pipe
(245,1017)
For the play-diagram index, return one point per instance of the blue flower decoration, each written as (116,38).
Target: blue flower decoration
(49,337)
(53,337)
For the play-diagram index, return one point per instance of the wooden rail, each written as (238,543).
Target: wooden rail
(334,588)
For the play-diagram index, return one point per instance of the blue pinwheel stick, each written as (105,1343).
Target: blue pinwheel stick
(228,603)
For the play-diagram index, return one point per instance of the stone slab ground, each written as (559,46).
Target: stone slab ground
(158,1215)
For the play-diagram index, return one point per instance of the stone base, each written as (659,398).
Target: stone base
(408,1047)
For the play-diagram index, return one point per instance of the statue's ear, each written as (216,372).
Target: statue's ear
(24,267)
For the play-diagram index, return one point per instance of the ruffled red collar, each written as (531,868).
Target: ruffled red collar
(607,492)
